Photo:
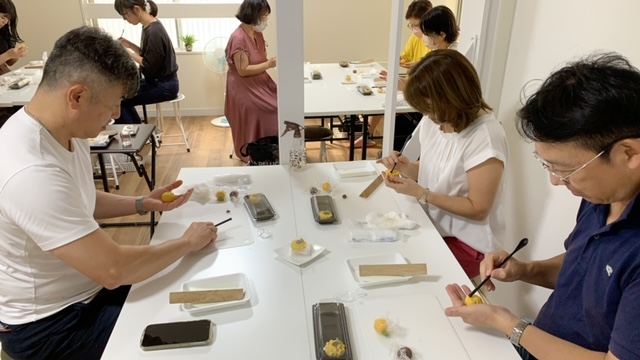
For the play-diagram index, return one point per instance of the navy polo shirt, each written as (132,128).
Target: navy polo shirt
(596,302)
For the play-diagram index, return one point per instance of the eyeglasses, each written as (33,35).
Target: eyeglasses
(545,164)
(411,26)
(124,14)
(565,179)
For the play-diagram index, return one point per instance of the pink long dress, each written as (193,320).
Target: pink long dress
(251,104)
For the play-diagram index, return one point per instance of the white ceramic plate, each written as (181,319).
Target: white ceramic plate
(285,253)
(231,281)
(349,169)
(384,259)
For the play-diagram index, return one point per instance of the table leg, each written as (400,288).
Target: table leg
(352,137)
(365,135)
(153,179)
(103,173)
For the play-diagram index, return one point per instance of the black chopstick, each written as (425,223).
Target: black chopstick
(521,244)
(222,222)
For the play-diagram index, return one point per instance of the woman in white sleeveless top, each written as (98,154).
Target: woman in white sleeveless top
(459,177)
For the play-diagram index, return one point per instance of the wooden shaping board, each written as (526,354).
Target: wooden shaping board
(206,296)
(372,187)
(393,270)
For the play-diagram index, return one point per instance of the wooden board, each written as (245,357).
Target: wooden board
(372,187)
(206,296)
(393,270)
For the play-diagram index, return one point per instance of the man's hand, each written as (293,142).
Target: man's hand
(486,315)
(200,234)
(153,201)
(509,272)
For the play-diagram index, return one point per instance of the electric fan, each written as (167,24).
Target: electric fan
(215,59)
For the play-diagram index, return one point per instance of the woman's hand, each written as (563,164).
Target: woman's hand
(395,160)
(153,201)
(271,63)
(486,315)
(126,43)
(19,51)
(403,185)
(407,65)
(383,74)
(508,273)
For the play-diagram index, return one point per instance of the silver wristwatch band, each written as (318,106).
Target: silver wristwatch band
(140,206)
(516,334)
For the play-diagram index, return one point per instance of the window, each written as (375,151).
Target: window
(187,19)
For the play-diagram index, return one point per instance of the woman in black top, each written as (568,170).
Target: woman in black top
(156,57)
(9,52)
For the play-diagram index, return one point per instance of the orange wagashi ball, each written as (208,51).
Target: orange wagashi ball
(394,173)
(326,187)
(381,326)
(168,197)
(473,300)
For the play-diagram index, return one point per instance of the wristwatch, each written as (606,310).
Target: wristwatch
(516,334)
(423,199)
(140,206)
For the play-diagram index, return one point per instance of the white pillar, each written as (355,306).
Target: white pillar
(395,38)
(290,60)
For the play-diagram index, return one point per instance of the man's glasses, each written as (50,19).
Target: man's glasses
(545,164)
(565,179)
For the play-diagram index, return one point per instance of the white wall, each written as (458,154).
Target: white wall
(546,34)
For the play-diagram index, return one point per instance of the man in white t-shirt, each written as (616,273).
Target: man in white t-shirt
(64,280)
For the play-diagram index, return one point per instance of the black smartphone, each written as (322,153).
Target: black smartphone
(177,334)
(324,210)
(330,323)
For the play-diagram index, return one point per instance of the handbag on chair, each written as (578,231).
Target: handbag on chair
(264,151)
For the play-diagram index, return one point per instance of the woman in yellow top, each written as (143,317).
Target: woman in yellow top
(414,50)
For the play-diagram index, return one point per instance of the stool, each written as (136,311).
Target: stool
(319,133)
(176,112)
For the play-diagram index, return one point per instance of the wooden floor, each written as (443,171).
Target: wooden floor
(210,147)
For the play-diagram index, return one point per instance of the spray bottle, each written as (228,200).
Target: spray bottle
(298,152)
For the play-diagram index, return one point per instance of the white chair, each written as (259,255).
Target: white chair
(412,147)
(176,112)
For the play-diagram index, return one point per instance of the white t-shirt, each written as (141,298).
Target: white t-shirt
(47,200)
(445,159)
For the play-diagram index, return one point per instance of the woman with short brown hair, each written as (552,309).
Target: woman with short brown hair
(459,177)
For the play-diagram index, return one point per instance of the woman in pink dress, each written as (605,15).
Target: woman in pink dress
(251,105)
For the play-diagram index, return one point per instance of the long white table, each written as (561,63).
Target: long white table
(19,97)
(329,96)
(277,322)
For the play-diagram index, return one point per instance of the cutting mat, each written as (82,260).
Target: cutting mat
(236,232)
(427,332)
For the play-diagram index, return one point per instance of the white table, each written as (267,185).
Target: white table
(329,96)
(20,97)
(279,314)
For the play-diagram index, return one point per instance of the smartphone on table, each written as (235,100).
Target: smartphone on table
(177,335)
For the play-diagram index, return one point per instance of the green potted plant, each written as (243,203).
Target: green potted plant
(188,40)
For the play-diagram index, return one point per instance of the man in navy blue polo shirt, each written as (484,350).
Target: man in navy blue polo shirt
(585,123)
